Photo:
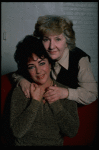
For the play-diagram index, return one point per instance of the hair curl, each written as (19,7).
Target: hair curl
(57,25)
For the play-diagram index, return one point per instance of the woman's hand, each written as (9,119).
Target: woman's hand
(25,86)
(36,92)
(55,93)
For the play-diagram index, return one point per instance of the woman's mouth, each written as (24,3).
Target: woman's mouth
(52,52)
(40,76)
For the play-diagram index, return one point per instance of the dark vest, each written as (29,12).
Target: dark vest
(69,77)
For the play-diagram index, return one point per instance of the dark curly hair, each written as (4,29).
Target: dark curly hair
(24,50)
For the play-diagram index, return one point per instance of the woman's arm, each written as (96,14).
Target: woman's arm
(87,92)
(16,78)
(19,80)
(22,113)
(66,114)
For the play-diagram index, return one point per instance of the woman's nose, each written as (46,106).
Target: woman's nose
(52,45)
(38,70)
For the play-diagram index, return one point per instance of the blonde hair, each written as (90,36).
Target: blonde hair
(55,24)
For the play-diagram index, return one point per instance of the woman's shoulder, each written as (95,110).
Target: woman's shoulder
(17,90)
(79,53)
(18,93)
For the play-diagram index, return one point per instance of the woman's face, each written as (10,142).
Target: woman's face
(39,69)
(54,45)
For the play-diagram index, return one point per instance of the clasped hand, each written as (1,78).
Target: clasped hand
(36,92)
(52,94)
(55,93)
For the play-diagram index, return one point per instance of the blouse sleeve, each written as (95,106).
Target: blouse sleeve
(87,91)
(16,78)
(22,113)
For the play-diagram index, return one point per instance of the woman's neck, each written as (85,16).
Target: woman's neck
(47,84)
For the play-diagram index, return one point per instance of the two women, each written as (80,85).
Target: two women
(37,121)
(72,65)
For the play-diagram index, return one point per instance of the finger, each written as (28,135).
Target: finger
(49,93)
(52,88)
(27,94)
(35,85)
(32,87)
(51,98)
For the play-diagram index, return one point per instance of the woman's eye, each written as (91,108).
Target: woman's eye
(58,39)
(42,63)
(45,40)
(31,67)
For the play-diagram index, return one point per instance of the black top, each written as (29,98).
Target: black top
(69,77)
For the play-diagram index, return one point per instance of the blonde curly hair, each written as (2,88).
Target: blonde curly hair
(57,25)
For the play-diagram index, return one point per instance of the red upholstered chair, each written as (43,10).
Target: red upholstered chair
(87,132)
(88,117)
(6,87)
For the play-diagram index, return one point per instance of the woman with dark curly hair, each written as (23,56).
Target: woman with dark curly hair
(72,65)
(36,121)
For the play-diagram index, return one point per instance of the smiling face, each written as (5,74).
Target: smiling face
(54,45)
(39,70)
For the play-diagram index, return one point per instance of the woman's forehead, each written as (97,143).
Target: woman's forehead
(53,34)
